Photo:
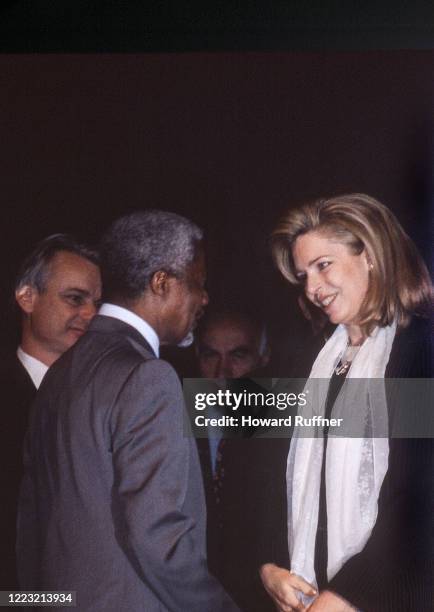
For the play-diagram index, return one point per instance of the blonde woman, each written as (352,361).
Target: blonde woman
(359,510)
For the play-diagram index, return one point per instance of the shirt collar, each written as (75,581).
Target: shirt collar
(129,317)
(35,368)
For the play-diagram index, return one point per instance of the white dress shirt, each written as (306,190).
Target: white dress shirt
(35,368)
(129,317)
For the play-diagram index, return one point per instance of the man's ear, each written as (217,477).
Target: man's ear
(159,283)
(26,297)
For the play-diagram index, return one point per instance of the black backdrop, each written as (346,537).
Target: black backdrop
(228,138)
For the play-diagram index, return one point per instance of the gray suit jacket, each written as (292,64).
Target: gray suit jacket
(112,503)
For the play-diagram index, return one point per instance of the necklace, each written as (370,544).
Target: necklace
(347,358)
(342,367)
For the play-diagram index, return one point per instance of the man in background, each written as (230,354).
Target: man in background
(243,476)
(112,503)
(231,344)
(57,292)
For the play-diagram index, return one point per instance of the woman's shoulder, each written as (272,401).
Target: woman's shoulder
(412,351)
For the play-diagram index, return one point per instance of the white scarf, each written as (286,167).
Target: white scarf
(355,467)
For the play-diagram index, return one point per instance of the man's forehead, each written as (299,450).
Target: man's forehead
(69,260)
(68,268)
(231,334)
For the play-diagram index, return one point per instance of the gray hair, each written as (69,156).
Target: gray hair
(34,270)
(142,243)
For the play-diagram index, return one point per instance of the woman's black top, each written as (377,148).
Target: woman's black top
(321,556)
(394,571)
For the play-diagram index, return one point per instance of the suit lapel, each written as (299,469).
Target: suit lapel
(23,379)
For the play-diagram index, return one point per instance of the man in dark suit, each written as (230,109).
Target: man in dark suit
(244,476)
(112,502)
(57,289)
(230,344)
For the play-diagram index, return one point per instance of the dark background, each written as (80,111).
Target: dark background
(227,116)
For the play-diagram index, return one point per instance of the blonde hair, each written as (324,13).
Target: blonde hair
(399,286)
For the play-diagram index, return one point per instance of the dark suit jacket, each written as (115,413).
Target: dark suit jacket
(245,528)
(18,392)
(112,502)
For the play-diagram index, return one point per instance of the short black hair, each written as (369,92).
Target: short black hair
(34,270)
(142,243)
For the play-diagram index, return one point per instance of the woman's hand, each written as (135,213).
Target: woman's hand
(283,587)
(330,602)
